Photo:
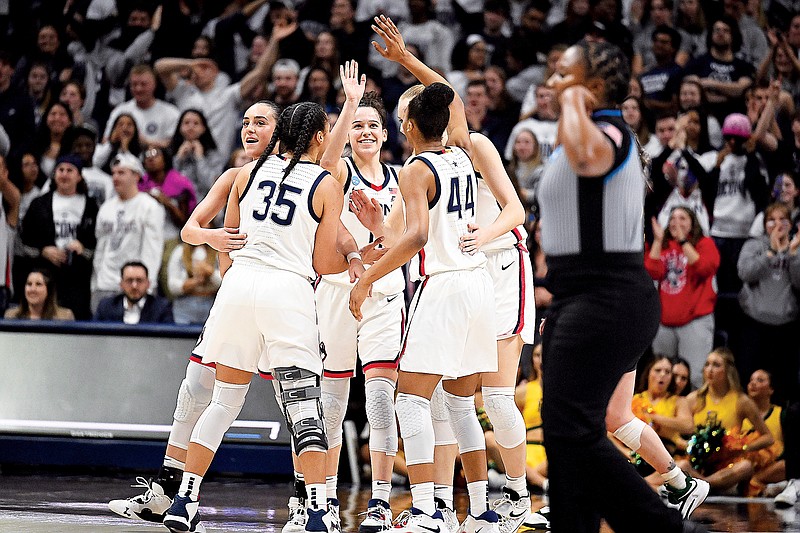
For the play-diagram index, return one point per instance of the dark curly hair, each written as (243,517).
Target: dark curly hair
(429,110)
(607,61)
(296,126)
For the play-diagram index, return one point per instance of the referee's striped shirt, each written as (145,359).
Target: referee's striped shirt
(595,216)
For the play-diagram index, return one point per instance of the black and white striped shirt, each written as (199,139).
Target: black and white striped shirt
(588,217)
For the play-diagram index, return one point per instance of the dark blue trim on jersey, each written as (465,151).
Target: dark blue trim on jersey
(435,200)
(348,180)
(386,176)
(250,180)
(615,171)
(311,195)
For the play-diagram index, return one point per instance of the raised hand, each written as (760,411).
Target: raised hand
(658,230)
(395,49)
(368,211)
(351,84)
(282,31)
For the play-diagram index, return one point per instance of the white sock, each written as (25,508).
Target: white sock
(330,486)
(381,490)
(675,478)
(478,497)
(317,496)
(518,485)
(190,486)
(422,497)
(444,493)
(171,462)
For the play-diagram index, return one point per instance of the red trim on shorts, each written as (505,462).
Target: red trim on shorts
(199,360)
(266,375)
(408,324)
(517,234)
(339,374)
(422,262)
(521,312)
(383,364)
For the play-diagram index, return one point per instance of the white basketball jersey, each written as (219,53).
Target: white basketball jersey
(488,211)
(279,219)
(385,193)
(450,212)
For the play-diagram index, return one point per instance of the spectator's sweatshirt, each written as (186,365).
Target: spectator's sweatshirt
(129,230)
(767,294)
(686,291)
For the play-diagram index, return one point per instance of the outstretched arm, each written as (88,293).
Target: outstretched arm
(353,90)
(395,50)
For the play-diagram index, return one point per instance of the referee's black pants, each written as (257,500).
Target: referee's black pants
(603,318)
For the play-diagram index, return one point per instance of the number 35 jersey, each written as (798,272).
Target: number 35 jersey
(279,219)
(384,192)
(450,211)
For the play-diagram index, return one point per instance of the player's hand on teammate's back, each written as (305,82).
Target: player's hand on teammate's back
(471,242)
(226,239)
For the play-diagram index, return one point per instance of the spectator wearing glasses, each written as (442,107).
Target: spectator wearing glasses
(133,305)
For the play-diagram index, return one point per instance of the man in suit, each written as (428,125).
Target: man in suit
(134,305)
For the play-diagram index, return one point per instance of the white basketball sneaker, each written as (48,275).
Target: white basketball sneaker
(415,521)
(150,506)
(297,516)
(512,510)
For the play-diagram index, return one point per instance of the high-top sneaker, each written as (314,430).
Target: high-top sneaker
(487,522)
(321,521)
(150,506)
(182,514)
(297,516)
(378,517)
(415,521)
(512,510)
(449,515)
(689,498)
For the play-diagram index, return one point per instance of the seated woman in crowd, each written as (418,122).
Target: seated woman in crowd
(193,280)
(124,138)
(528,398)
(196,154)
(52,136)
(172,189)
(39,301)
(681,376)
(683,261)
(721,400)
(771,468)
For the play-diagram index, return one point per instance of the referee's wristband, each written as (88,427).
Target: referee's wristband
(354,255)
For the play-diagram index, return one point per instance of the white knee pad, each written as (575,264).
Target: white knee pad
(630,434)
(194,396)
(506,419)
(464,422)
(414,415)
(380,415)
(335,393)
(226,404)
(442,431)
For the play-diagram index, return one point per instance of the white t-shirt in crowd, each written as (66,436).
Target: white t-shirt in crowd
(156,123)
(67,214)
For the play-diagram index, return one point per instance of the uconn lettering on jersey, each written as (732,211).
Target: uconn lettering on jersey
(65,229)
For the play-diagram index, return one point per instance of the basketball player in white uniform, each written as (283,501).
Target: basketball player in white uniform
(194,395)
(375,340)
(450,330)
(266,317)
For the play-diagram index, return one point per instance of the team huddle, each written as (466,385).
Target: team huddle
(313,281)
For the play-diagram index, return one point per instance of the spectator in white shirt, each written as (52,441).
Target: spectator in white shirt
(156,119)
(130,227)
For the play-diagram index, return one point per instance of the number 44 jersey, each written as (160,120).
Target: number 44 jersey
(450,211)
(279,218)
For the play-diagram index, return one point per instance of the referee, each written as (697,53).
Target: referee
(605,310)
